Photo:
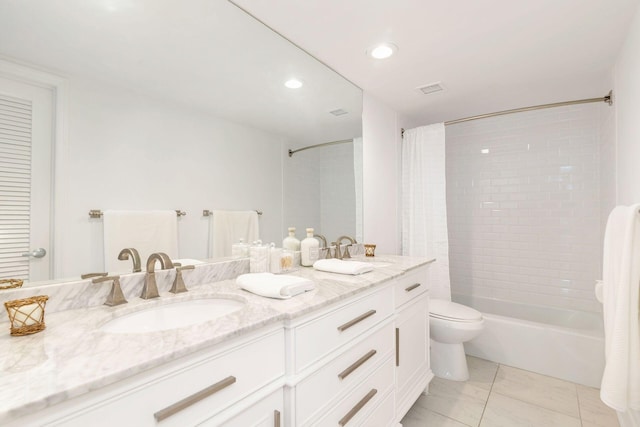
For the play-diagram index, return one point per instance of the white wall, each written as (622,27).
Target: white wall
(524,217)
(128,151)
(381,175)
(627,99)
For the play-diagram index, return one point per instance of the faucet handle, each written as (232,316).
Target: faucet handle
(346,253)
(178,283)
(336,253)
(115,297)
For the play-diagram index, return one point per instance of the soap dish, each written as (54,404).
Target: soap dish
(26,315)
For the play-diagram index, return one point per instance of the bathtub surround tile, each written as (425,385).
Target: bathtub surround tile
(525,190)
(547,392)
(594,410)
(503,411)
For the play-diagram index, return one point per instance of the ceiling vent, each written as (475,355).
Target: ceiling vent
(339,112)
(431,88)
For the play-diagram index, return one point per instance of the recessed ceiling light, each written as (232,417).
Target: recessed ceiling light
(382,50)
(293,84)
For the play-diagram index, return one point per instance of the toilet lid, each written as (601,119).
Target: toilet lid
(448,310)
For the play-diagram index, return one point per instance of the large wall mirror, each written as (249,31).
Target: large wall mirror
(170,105)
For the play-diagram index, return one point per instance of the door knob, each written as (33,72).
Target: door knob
(36,253)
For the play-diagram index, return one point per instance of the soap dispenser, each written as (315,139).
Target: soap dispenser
(290,242)
(309,249)
(240,249)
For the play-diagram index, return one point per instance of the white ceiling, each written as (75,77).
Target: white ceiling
(203,54)
(491,55)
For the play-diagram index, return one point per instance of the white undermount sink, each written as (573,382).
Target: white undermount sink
(172,316)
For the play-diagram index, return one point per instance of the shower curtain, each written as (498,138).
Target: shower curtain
(424,207)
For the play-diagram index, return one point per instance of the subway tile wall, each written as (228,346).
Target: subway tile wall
(523,206)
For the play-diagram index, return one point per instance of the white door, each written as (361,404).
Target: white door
(26,125)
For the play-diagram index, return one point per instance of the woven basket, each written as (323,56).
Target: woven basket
(10,283)
(26,315)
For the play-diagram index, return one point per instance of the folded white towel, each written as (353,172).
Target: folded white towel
(273,285)
(342,267)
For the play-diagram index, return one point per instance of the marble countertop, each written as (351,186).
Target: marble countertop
(72,356)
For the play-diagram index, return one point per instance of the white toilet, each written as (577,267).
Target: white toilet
(451,324)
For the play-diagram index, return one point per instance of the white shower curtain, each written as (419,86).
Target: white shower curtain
(424,207)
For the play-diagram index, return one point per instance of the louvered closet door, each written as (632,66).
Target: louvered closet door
(25,180)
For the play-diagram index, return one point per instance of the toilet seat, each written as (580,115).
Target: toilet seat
(453,312)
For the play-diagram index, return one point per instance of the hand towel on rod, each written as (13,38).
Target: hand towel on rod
(620,388)
(147,231)
(228,227)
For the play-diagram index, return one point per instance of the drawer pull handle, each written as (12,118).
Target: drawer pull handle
(412,287)
(358,319)
(194,398)
(397,346)
(357,408)
(344,374)
(276,418)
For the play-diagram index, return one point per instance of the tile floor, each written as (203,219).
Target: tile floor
(502,396)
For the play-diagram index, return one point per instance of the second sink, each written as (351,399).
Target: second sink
(172,316)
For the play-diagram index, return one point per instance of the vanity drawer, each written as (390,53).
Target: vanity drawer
(342,373)
(317,337)
(170,397)
(384,415)
(355,407)
(410,286)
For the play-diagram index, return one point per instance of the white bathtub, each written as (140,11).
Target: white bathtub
(561,343)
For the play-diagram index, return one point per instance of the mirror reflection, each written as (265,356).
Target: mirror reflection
(151,105)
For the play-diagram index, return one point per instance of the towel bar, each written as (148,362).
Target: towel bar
(97,213)
(207,212)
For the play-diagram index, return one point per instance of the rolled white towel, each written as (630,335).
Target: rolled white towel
(342,267)
(274,286)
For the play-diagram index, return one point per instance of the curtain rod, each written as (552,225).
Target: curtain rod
(607,98)
(342,141)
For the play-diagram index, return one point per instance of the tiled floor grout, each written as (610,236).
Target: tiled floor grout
(555,412)
(493,381)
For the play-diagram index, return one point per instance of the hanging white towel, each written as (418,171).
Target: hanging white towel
(146,231)
(274,285)
(228,227)
(620,388)
(342,267)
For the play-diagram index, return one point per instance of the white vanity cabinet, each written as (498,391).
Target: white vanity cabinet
(185,392)
(341,363)
(411,339)
(360,361)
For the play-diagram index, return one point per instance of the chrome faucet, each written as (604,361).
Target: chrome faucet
(178,283)
(135,256)
(115,297)
(338,242)
(150,288)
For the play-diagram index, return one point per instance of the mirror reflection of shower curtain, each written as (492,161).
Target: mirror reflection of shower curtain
(424,207)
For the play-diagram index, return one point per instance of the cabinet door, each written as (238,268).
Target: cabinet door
(412,338)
